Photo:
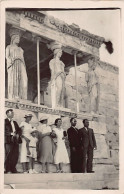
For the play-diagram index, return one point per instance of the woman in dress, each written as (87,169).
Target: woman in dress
(16,69)
(26,129)
(46,146)
(61,155)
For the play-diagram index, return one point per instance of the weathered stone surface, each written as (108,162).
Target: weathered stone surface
(108,89)
(102,161)
(83,67)
(98,127)
(102,110)
(115,156)
(102,149)
(111,137)
(70,80)
(112,112)
(109,104)
(102,119)
(110,97)
(98,168)
(83,90)
(112,128)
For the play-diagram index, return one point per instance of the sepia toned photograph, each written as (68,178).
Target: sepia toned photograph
(61,114)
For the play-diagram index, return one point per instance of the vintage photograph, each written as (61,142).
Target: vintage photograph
(61,127)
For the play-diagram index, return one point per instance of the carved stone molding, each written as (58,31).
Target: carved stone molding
(63,27)
(108,67)
(43,109)
(83,35)
(35,108)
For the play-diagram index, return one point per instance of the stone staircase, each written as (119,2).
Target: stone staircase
(89,181)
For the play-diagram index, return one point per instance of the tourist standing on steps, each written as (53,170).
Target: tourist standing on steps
(24,151)
(61,154)
(75,146)
(88,144)
(12,140)
(45,144)
(32,146)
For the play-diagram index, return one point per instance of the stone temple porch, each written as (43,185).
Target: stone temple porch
(105,124)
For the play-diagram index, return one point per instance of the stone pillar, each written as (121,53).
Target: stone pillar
(58,76)
(93,86)
(16,69)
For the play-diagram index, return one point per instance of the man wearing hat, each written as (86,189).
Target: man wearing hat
(12,136)
(24,151)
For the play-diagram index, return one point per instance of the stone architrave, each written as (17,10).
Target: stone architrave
(16,69)
(57,76)
(93,86)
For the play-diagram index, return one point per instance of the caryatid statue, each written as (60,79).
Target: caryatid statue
(57,76)
(16,69)
(93,85)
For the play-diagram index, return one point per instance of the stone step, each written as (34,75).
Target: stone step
(60,185)
(111,176)
(62,181)
(38,167)
(38,178)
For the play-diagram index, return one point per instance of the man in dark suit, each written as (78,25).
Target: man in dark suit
(12,140)
(88,143)
(75,147)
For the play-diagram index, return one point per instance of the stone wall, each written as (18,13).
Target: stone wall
(106,126)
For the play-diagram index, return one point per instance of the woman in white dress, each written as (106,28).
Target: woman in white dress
(26,129)
(61,155)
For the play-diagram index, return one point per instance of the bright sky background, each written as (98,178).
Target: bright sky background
(105,23)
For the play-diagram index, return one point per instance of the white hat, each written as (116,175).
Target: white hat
(33,130)
(45,117)
(22,124)
(28,115)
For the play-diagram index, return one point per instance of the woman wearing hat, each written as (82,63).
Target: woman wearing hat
(26,129)
(45,144)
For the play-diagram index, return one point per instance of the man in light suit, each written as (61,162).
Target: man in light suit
(88,143)
(75,147)
(11,141)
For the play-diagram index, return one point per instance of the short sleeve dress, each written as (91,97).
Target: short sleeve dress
(61,154)
(23,150)
(45,144)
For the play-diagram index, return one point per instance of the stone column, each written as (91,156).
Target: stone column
(16,69)
(93,85)
(58,76)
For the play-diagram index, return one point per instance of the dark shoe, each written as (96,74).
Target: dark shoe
(90,171)
(15,171)
(7,172)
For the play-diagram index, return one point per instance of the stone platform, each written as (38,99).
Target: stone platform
(89,181)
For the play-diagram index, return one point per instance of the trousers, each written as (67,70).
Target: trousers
(11,156)
(87,159)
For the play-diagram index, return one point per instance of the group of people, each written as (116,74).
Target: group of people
(39,144)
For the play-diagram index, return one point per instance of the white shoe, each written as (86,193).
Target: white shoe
(30,171)
(25,172)
(35,172)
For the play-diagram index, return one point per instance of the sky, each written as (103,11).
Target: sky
(105,23)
